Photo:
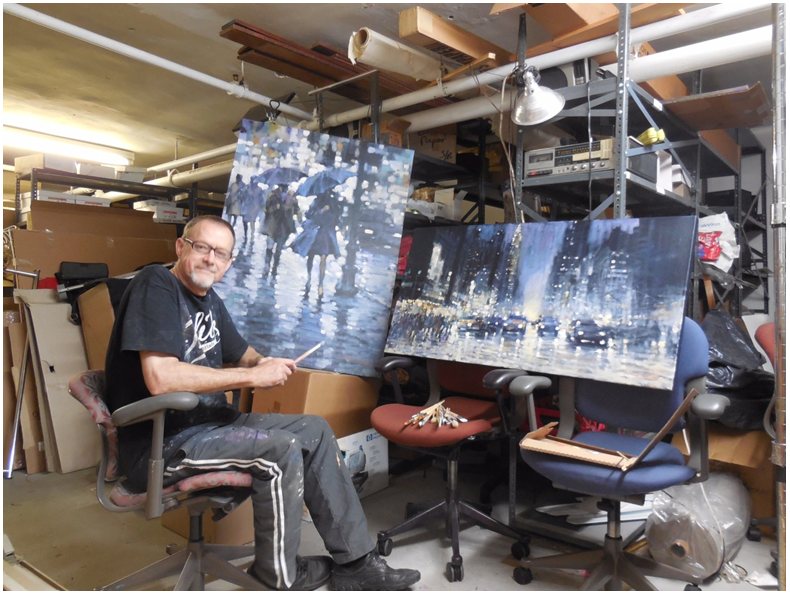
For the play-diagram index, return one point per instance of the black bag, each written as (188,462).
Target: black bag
(735,371)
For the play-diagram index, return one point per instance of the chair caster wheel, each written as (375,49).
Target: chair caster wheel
(753,534)
(692,588)
(384,547)
(522,576)
(455,573)
(520,550)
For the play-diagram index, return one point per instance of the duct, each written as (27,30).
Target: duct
(109,44)
(653,31)
(723,50)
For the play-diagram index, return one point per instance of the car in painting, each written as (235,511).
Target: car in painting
(515,325)
(476,326)
(586,332)
(548,327)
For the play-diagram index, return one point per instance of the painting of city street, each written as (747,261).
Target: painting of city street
(597,299)
(318,222)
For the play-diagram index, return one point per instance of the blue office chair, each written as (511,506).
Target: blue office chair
(632,408)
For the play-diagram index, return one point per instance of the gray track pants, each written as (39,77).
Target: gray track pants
(292,459)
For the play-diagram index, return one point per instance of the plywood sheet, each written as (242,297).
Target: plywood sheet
(740,107)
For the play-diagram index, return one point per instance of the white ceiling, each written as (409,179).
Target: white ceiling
(72,88)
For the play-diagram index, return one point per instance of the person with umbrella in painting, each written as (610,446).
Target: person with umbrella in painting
(318,237)
(280,210)
(233,200)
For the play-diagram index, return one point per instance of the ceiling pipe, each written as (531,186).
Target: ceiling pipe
(707,54)
(126,50)
(193,159)
(178,180)
(661,29)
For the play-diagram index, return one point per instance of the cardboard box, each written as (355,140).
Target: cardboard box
(30,417)
(91,201)
(448,204)
(747,455)
(344,401)
(98,318)
(236,528)
(438,142)
(89,169)
(366,456)
(26,199)
(24,165)
(47,250)
(130,173)
(72,441)
(96,220)
(9,411)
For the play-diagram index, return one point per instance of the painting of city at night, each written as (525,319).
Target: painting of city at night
(318,222)
(599,299)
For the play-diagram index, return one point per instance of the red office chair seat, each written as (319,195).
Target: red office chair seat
(123,497)
(390,420)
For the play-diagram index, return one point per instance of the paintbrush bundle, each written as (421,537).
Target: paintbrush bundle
(436,414)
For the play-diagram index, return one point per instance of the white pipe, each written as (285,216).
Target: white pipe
(131,52)
(724,50)
(197,158)
(658,30)
(214,170)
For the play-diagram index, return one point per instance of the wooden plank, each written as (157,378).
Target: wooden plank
(640,15)
(724,146)
(561,18)
(741,107)
(482,63)
(318,68)
(450,41)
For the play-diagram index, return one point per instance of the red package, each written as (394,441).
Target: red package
(403,253)
(709,247)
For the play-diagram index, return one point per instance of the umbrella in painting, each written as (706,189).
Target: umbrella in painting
(323,181)
(274,176)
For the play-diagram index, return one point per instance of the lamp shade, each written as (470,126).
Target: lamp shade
(536,104)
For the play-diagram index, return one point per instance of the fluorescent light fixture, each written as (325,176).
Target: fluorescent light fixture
(535,104)
(79,150)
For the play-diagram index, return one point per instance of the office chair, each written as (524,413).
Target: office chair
(628,408)
(220,491)
(490,417)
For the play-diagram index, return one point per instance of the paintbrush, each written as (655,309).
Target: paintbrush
(308,352)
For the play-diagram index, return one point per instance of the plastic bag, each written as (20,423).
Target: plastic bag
(683,530)
(735,371)
(716,241)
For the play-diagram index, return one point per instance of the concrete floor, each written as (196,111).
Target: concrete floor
(56,524)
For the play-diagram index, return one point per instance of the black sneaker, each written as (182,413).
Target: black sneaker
(372,573)
(311,573)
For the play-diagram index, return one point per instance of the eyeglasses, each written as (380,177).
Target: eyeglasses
(203,249)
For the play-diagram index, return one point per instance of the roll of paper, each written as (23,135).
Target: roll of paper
(373,49)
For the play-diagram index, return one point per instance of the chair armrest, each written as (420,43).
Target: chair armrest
(497,379)
(709,406)
(390,363)
(525,385)
(145,408)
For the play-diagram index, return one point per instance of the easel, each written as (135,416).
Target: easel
(9,471)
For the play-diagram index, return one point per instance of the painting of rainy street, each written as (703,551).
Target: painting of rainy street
(600,300)
(318,222)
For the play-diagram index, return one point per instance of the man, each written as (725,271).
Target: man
(173,333)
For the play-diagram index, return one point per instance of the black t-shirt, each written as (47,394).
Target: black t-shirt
(159,314)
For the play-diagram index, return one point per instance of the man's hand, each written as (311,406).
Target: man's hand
(269,372)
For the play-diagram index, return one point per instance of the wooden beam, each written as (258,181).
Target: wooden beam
(643,14)
(450,41)
(483,63)
(560,18)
